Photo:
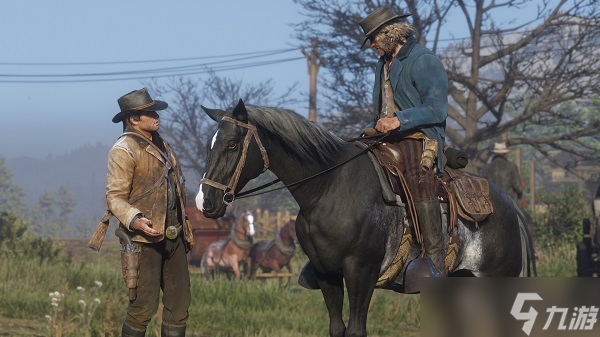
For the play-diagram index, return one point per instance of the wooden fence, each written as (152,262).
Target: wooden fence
(268,223)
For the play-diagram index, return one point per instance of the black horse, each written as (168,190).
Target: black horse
(344,225)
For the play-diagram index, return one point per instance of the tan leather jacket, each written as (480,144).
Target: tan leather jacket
(137,184)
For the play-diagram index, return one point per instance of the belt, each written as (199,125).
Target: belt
(172,232)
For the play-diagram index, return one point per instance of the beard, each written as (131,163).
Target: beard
(388,46)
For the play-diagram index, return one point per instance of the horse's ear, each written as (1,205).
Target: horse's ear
(240,113)
(214,114)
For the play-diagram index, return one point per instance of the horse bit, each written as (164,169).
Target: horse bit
(229,190)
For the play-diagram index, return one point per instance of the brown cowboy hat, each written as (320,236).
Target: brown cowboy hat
(378,18)
(136,101)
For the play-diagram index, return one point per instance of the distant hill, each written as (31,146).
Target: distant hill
(82,171)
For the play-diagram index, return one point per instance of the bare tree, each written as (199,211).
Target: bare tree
(505,78)
(189,130)
(508,79)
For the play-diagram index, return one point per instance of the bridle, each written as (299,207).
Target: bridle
(229,189)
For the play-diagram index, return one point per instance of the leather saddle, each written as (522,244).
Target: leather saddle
(465,194)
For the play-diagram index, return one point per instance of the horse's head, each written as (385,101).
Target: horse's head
(246,223)
(235,156)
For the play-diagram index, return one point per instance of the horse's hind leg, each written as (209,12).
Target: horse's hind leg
(333,294)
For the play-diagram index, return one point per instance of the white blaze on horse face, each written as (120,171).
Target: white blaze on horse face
(214,140)
(200,197)
(251,226)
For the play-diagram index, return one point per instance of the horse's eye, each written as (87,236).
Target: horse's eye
(231,145)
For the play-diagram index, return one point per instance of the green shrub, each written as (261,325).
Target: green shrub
(17,241)
(560,217)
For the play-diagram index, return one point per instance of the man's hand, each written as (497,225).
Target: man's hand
(387,124)
(145,225)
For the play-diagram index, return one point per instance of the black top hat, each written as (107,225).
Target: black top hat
(135,101)
(378,18)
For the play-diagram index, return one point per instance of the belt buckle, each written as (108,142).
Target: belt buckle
(171,232)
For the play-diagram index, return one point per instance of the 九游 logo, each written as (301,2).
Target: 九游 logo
(582,318)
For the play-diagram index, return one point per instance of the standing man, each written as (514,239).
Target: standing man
(146,192)
(504,173)
(410,101)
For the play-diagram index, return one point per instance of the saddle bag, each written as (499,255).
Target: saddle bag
(472,194)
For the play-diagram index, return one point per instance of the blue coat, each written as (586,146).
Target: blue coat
(420,86)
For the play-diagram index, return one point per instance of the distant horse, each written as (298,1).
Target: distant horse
(227,255)
(344,226)
(275,254)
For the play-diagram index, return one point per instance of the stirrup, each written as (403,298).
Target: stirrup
(417,268)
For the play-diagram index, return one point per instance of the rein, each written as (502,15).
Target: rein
(229,190)
(247,194)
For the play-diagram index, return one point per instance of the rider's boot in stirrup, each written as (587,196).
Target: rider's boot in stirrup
(433,265)
(307,278)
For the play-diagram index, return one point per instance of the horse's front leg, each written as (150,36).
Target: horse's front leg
(333,294)
(235,266)
(360,283)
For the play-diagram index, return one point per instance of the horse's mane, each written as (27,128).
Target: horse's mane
(305,140)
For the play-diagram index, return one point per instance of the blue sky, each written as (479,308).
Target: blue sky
(53,118)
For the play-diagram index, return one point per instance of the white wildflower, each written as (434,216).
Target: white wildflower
(48,318)
(82,303)
(98,284)
(97,300)
(80,288)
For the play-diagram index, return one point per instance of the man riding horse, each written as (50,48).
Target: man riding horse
(410,96)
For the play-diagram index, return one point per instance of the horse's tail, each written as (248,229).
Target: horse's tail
(528,254)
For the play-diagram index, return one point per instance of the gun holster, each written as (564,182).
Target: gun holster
(130,262)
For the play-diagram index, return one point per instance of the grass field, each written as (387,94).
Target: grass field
(220,307)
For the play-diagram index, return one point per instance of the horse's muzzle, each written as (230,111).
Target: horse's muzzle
(207,206)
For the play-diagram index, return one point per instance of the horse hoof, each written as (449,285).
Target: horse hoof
(307,278)
(420,267)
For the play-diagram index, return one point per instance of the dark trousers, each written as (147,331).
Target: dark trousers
(163,265)
(422,184)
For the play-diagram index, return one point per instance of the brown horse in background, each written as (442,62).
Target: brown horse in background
(227,255)
(276,254)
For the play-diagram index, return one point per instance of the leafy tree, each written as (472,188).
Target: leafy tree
(15,237)
(65,203)
(51,212)
(44,215)
(504,78)
(12,197)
